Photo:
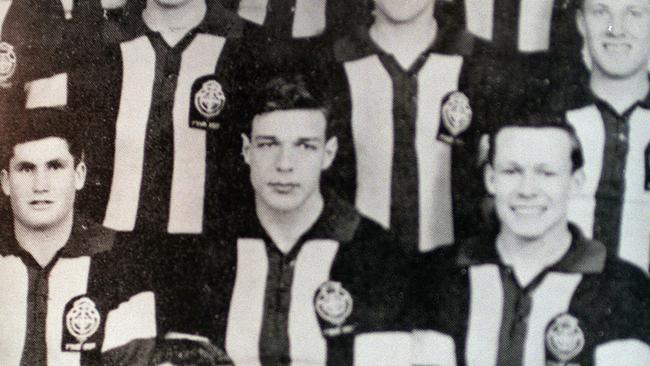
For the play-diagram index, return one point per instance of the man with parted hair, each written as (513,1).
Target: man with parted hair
(68,297)
(299,258)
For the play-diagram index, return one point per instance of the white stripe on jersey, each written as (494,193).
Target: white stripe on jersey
(634,245)
(485,315)
(309,18)
(253,10)
(372,130)
(188,181)
(479,16)
(69,278)
(247,303)
(313,264)
(534,22)
(139,60)
(306,344)
(121,326)
(4,9)
(551,298)
(534,34)
(589,126)
(13,309)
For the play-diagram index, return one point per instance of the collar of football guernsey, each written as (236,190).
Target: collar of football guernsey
(587,97)
(584,256)
(359,44)
(217,21)
(338,221)
(87,239)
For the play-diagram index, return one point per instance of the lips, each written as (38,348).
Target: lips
(617,47)
(528,210)
(40,204)
(283,188)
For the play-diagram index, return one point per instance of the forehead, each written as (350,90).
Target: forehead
(533,146)
(616,3)
(41,150)
(290,124)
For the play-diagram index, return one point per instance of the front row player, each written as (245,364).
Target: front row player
(535,291)
(292,250)
(66,298)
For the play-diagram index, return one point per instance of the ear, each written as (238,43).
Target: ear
(578,179)
(245,148)
(4,179)
(580,22)
(80,175)
(489,177)
(331,147)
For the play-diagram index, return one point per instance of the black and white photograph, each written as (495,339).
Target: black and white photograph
(325,182)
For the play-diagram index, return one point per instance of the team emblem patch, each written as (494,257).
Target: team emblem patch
(456,113)
(564,339)
(82,321)
(334,304)
(7,64)
(210,99)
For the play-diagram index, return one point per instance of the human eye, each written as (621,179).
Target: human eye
(508,170)
(25,168)
(308,146)
(265,144)
(635,12)
(598,11)
(55,165)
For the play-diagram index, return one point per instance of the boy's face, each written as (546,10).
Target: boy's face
(532,179)
(403,11)
(287,152)
(617,35)
(41,182)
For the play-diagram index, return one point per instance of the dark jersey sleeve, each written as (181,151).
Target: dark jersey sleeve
(373,270)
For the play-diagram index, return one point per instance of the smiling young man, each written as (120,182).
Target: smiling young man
(68,299)
(534,291)
(297,249)
(613,124)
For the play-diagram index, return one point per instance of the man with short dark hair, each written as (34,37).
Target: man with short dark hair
(297,249)
(68,299)
(534,291)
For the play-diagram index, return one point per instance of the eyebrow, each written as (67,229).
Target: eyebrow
(27,164)
(300,139)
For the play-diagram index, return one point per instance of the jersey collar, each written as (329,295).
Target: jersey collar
(584,256)
(87,239)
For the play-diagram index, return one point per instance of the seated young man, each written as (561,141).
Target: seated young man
(67,298)
(296,249)
(535,291)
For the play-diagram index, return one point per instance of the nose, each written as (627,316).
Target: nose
(616,25)
(41,181)
(284,161)
(528,185)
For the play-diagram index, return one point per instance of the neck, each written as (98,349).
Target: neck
(405,41)
(620,93)
(174,22)
(43,244)
(286,227)
(530,257)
